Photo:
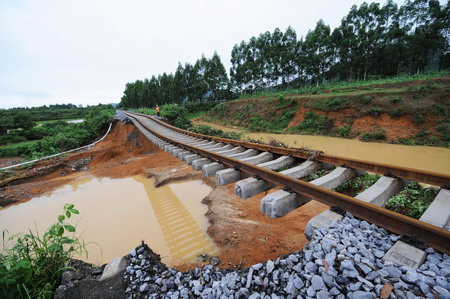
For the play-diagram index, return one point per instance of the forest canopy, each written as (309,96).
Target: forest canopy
(372,41)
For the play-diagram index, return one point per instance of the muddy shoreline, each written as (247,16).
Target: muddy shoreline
(243,235)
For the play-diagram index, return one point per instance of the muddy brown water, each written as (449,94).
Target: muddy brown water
(117,214)
(429,158)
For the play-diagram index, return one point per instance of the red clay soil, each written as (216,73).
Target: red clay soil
(243,235)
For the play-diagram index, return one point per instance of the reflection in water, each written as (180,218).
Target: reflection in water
(78,183)
(181,232)
(429,158)
(118,214)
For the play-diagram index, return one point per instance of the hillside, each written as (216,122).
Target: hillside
(407,112)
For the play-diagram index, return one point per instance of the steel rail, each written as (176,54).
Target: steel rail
(436,237)
(411,174)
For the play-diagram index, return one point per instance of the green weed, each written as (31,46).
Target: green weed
(32,266)
(358,184)
(315,175)
(412,201)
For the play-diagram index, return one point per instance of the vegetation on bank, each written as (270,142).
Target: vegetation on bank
(30,141)
(426,108)
(31,266)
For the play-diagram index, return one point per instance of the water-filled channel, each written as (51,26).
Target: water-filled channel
(117,214)
(429,158)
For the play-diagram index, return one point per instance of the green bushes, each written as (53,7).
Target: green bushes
(61,136)
(177,115)
(314,124)
(371,136)
(32,266)
(342,131)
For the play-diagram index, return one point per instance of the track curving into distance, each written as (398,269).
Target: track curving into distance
(254,169)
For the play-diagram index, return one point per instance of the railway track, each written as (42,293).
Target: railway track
(254,169)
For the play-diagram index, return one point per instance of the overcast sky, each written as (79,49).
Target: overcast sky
(85,51)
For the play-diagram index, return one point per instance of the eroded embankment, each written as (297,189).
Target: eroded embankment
(414,112)
(243,235)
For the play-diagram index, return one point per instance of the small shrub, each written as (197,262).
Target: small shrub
(32,267)
(406,142)
(395,113)
(342,131)
(375,111)
(331,104)
(370,136)
(395,100)
(365,100)
(418,118)
(440,109)
(433,141)
(422,133)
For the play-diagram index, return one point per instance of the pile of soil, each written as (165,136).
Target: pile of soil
(243,235)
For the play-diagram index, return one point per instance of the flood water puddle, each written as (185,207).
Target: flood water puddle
(118,213)
(427,158)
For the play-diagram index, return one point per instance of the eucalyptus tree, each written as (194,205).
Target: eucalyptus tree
(216,77)
(317,51)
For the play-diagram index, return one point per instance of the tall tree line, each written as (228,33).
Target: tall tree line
(206,80)
(372,40)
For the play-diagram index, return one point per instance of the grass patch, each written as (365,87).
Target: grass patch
(412,201)
(344,87)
